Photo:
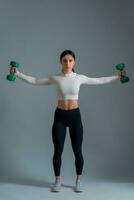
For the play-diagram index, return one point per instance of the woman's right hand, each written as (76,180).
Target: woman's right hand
(13,70)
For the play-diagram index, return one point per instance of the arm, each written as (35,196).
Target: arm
(33,80)
(97,81)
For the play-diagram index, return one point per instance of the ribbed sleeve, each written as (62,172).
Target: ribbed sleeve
(95,81)
(34,80)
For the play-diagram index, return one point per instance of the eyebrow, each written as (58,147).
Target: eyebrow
(66,59)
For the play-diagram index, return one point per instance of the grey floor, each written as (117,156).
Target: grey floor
(93,190)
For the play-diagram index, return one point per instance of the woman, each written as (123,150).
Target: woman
(67,113)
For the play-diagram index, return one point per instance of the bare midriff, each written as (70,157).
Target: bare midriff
(67,104)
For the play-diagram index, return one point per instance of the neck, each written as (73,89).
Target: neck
(67,72)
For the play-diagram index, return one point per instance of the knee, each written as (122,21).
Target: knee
(78,154)
(58,152)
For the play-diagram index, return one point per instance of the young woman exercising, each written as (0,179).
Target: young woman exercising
(67,112)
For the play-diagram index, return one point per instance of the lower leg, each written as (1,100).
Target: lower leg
(57,166)
(79,167)
(79,162)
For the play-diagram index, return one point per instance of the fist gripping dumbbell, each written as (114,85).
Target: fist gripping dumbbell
(12,76)
(123,79)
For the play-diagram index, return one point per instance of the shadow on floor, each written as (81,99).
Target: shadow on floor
(43,184)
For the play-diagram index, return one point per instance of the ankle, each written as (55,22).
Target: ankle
(58,178)
(78,177)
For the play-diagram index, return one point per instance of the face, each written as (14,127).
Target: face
(67,63)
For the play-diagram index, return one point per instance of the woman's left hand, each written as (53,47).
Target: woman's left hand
(122,73)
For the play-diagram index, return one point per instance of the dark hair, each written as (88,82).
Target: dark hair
(67,52)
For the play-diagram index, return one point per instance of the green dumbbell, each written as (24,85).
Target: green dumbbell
(123,79)
(12,76)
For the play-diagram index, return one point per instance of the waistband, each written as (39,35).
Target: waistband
(74,109)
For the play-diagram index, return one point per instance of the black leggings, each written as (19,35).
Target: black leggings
(72,119)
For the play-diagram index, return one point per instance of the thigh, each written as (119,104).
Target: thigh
(58,134)
(76,134)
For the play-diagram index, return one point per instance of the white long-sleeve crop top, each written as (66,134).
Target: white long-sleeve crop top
(67,85)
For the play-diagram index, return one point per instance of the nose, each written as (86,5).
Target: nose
(67,64)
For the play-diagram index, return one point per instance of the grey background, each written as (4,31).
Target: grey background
(35,32)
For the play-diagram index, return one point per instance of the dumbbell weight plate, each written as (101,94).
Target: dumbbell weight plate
(124,79)
(14,64)
(120,66)
(11,77)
